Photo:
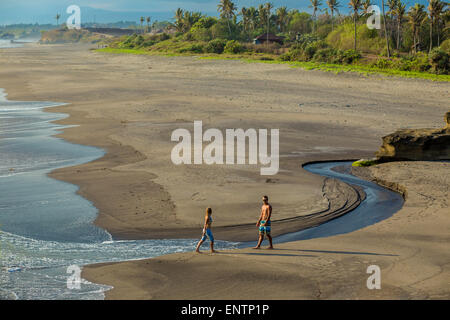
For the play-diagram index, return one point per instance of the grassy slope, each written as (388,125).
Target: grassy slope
(336,68)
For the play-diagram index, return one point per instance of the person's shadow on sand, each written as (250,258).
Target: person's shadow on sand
(271,253)
(342,252)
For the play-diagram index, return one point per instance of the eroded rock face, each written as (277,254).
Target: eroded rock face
(447,119)
(417,144)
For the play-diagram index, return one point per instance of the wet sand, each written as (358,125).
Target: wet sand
(411,249)
(129,105)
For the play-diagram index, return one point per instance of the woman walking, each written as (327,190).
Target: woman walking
(207,231)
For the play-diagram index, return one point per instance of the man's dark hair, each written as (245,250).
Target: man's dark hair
(266,197)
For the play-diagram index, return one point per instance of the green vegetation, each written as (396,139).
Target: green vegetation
(216,46)
(234,47)
(365,163)
(413,47)
(342,37)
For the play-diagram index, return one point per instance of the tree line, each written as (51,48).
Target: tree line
(246,23)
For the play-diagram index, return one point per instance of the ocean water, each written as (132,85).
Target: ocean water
(45,227)
(379,204)
(9,44)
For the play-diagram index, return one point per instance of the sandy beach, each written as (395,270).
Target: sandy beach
(410,248)
(129,105)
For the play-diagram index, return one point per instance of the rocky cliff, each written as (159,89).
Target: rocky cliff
(417,144)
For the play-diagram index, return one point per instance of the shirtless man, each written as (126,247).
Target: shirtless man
(264,223)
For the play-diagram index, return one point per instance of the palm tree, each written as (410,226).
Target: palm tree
(245,21)
(385,30)
(440,18)
(431,12)
(244,14)
(391,4)
(399,12)
(262,16)
(435,8)
(365,5)
(253,17)
(444,12)
(148,23)
(333,5)
(142,22)
(57,19)
(282,18)
(179,19)
(315,4)
(416,16)
(226,9)
(355,5)
(189,19)
(267,8)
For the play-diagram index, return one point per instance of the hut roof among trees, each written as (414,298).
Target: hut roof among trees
(270,37)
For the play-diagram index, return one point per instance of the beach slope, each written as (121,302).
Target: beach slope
(411,249)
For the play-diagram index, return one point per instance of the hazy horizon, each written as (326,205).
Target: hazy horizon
(103,11)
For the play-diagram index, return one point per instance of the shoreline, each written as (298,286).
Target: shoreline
(86,177)
(324,272)
(139,174)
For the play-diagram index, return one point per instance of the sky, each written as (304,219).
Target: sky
(44,11)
